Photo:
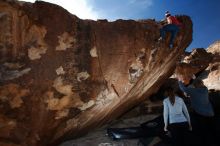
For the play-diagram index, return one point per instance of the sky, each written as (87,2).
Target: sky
(205,14)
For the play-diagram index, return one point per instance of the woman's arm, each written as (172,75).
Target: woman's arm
(165,115)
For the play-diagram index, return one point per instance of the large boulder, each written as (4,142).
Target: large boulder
(61,76)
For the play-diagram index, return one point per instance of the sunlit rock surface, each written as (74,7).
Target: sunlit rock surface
(211,76)
(61,76)
(192,64)
(204,64)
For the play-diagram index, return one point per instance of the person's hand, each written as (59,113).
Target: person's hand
(190,127)
(165,128)
(193,77)
(186,95)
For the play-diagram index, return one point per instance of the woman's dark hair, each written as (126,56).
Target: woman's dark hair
(171,95)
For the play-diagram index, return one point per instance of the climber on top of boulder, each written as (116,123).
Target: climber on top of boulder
(172,25)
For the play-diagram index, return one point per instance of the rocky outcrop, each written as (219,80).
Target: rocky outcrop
(192,64)
(211,75)
(62,76)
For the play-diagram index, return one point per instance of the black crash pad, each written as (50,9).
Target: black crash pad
(150,128)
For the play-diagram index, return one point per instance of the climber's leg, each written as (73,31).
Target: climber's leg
(163,33)
(174,30)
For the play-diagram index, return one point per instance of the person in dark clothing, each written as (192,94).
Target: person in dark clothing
(203,112)
(172,26)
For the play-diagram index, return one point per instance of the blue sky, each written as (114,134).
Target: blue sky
(205,14)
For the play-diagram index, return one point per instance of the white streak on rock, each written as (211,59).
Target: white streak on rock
(87,105)
(65,41)
(82,76)
(60,71)
(93,52)
(35,53)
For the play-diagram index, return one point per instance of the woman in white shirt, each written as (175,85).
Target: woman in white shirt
(177,117)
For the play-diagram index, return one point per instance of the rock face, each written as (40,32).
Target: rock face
(211,75)
(62,76)
(197,61)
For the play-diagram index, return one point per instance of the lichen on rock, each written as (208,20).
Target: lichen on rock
(39,47)
(93,52)
(82,76)
(13,94)
(65,41)
(60,71)
(61,87)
